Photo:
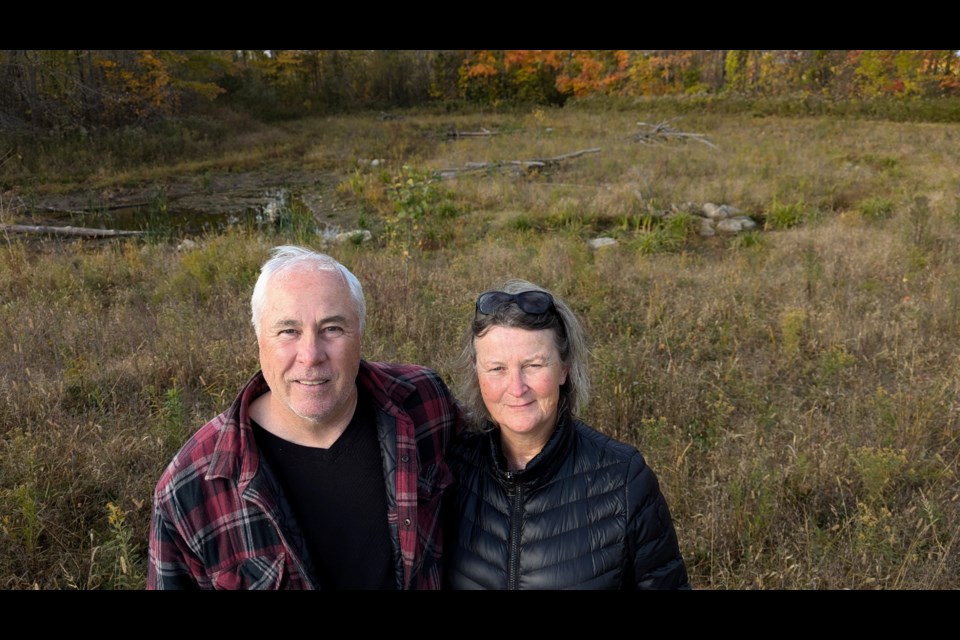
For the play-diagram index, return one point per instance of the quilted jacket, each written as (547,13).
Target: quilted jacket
(586,513)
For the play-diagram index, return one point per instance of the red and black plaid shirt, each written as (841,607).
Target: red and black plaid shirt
(220,521)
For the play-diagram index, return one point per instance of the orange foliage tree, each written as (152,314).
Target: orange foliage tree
(549,76)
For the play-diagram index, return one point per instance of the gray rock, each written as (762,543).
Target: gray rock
(598,243)
(713,211)
(719,212)
(736,224)
(357,236)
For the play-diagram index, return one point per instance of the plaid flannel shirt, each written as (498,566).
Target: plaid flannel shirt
(220,520)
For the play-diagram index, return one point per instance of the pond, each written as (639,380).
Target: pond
(188,208)
(271,208)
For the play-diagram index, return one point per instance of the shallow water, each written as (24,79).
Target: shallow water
(186,208)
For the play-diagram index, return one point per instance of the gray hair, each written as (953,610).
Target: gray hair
(568,337)
(289,257)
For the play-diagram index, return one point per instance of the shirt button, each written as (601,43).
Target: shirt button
(404,458)
(406,522)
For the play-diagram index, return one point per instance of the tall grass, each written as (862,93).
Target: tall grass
(795,392)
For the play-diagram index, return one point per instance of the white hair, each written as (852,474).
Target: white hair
(287,257)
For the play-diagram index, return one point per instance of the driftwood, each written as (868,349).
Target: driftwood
(453,133)
(66,231)
(539,163)
(93,209)
(662,131)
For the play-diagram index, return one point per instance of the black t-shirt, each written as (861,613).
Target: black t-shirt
(338,497)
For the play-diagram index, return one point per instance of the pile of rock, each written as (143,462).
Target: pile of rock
(723,218)
(714,218)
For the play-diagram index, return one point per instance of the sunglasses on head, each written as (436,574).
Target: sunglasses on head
(533,302)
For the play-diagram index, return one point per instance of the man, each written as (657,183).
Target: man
(326,472)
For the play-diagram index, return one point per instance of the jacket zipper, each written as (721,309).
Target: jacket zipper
(516,519)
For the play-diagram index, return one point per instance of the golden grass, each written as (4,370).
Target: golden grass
(796,394)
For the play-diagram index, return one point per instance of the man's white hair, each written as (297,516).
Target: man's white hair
(286,257)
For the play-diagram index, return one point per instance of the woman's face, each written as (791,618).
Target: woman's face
(520,374)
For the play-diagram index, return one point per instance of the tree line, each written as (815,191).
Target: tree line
(68,90)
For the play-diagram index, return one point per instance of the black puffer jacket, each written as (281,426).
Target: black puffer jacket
(586,513)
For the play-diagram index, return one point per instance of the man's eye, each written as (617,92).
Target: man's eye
(333,330)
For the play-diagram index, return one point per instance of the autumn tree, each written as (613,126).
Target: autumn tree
(584,72)
(670,72)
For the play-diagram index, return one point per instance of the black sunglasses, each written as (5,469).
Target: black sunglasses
(533,302)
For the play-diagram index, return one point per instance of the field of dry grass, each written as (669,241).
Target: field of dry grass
(795,387)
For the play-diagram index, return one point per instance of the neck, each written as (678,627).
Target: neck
(520,449)
(303,430)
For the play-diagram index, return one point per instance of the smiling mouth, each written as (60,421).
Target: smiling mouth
(312,383)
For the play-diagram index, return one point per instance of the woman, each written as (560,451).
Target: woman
(544,501)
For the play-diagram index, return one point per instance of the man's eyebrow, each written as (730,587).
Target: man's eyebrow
(291,322)
(285,322)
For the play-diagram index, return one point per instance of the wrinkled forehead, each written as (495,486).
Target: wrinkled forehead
(294,288)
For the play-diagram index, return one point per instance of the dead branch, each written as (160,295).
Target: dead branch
(537,163)
(453,133)
(4,157)
(662,132)
(91,209)
(573,154)
(66,231)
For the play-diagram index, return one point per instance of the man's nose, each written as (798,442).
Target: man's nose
(311,349)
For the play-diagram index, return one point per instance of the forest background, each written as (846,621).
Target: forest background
(76,90)
(793,385)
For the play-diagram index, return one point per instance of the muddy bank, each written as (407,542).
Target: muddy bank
(194,204)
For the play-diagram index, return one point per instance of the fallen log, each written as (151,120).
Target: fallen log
(573,154)
(92,209)
(483,132)
(658,133)
(537,163)
(67,231)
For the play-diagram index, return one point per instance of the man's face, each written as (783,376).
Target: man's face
(310,348)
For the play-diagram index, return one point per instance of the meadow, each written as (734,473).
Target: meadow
(794,387)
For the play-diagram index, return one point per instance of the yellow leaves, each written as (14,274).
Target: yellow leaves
(147,81)
(115,516)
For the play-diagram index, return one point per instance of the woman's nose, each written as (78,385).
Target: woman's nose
(516,385)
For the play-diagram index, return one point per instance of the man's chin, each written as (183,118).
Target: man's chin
(313,415)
